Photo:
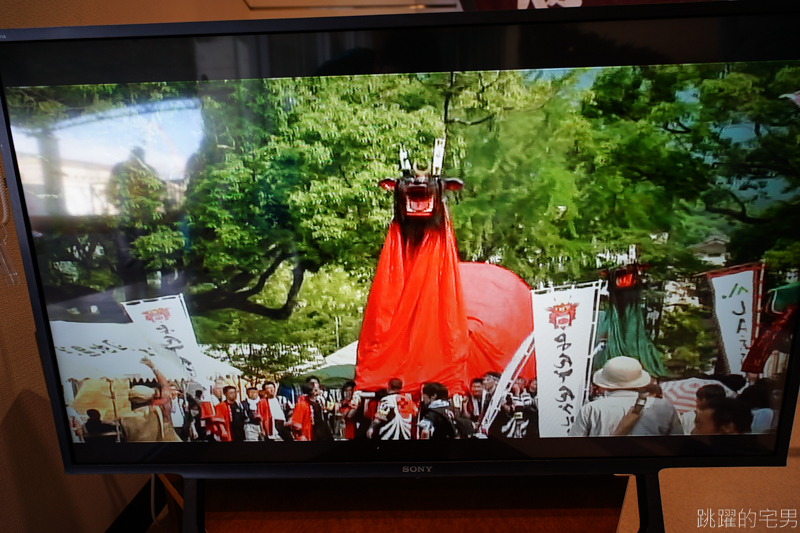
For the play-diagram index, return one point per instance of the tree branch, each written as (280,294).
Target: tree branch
(257,309)
(778,161)
(241,280)
(447,97)
(262,279)
(740,214)
(220,298)
(344,177)
(681,129)
(469,123)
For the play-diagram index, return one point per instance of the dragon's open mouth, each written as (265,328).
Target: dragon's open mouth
(419,202)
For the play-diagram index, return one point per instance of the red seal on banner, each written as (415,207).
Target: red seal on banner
(562,315)
(156,315)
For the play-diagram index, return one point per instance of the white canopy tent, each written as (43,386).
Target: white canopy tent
(343,356)
(210,367)
(335,369)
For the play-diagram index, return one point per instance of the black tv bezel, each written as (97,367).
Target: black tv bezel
(617,18)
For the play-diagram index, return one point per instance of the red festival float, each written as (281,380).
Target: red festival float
(430,317)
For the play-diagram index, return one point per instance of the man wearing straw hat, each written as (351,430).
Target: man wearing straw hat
(621,380)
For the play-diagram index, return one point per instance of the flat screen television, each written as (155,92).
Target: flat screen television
(528,238)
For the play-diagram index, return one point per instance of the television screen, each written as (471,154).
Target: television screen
(380,240)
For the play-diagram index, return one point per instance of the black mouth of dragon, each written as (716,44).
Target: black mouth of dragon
(419,201)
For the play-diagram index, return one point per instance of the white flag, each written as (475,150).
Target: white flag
(736,295)
(564,321)
(102,350)
(165,323)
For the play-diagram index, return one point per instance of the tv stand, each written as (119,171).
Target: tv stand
(648,493)
(194,505)
(562,503)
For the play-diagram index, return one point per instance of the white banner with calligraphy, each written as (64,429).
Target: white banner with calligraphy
(105,350)
(737,291)
(166,325)
(565,323)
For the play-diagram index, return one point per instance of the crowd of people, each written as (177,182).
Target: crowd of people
(624,400)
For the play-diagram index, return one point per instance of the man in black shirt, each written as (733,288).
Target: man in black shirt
(438,421)
(238,416)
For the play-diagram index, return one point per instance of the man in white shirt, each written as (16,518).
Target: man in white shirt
(395,411)
(178,410)
(490,381)
(252,426)
(620,379)
(217,396)
(275,427)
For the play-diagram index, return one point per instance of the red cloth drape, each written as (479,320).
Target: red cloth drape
(431,318)
(206,410)
(264,413)
(415,324)
(500,316)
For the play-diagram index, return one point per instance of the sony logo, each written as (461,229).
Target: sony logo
(415,469)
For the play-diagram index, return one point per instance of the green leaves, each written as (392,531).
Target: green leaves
(521,206)
(327,316)
(687,339)
(160,249)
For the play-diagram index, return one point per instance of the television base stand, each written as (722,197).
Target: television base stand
(562,503)
(194,505)
(648,493)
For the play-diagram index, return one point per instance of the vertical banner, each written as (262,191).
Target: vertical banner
(164,322)
(565,323)
(737,293)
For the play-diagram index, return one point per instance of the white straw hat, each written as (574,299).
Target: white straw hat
(621,373)
(141,393)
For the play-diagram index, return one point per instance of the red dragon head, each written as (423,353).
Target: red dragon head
(418,194)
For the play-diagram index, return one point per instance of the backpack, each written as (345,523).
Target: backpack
(457,426)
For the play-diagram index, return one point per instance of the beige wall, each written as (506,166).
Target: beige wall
(40,13)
